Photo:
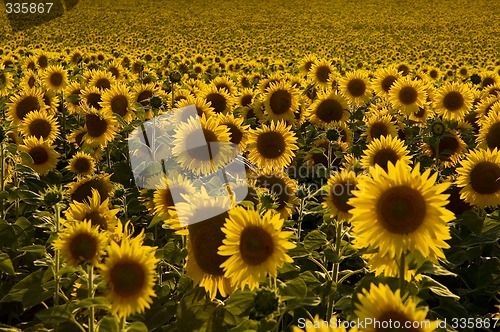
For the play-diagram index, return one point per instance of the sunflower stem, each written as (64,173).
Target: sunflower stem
(173,89)
(2,179)
(63,131)
(91,295)
(402,267)
(336,268)
(58,258)
(122,324)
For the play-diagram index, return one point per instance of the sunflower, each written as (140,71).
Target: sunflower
(388,266)
(82,163)
(320,73)
(40,125)
(118,99)
(167,194)
(202,107)
(42,60)
(272,146)
(256,247)
(343,133)
(246,97)
(81,243)
(6,82)
(91,97)
(103,80)
(281,102)
(313,158)
(453,101)
(203,263)
(338,191)
(72,97)
(381,305)
(479,178)
(94,210)
(101,126)
(199,158)
(327,109)
(408,95)
(451,148)
(486,104)
(307,63)
(51,100)
(237,131)
(378,126)
(44,157)
(383,150)
(55,78)
(355,87)
(129,273)
(401,210)
(489,132)
(384,80)
(219,99)
(29,80)
(81,190)
(28,100)
(281,186)
(224,83)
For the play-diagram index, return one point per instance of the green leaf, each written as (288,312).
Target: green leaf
(17,291)
(314,240)
(108,324)
(4,194)
(294,289)
(437,288)
(56,315)
(240,301)
(98,302)
(6,264)
(138,327)
(34,248)
(36,295)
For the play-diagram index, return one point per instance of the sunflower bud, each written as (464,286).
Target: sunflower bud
(265,302)
(175,76)
(438,128)
(155,102)
(52,195)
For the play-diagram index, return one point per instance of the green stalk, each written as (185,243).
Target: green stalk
(91,295)
(58,258)
(402,267)
(336,268)
(122,324)
(2,179)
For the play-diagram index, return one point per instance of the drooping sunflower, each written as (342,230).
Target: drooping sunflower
(384,80)
(72,97)
(272,146)
(453,101)
(479,178)
(281,102)
(55,78)
(101,126)
(43,155)
(81,243)
(94,209)
(338,191)
(401,210)
(383,150)
(327,109)
(219,99)
(119,100)
(356,88)
(199,158)
(237,130)
(407,95)
(81,190)
(26,101)
(489,132)
(378,126)
(40,125)
(320,72)
(82,164)
(281,186)
(381,305)
(256,247)
(129,272)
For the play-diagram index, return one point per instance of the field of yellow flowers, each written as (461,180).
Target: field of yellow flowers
(369,133)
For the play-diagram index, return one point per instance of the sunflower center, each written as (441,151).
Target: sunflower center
(84,190)
(256,245)
(276,186)
(93,99)
(200,152)
(31,81)
(280,101)
(246,100)
(39,155)
(330,110)
(401,209)
(384,156)
(340,193)
(356,87)
(453,101)
(96,219)
(82,165)
(387,82)
(95,125)
(56,79)
(395,316)
(271,144)
(217,101)
(408,95)
(485,178)
(26,105)
(235,133)
(448,146)
(420,113)
(83,247)
(322,73)
(3,79)
(127,278)
(378,129)
(206,238)
(488,81)
(119,105)
(493,136)
(40,128)
(144,96)
(103,83)
(43,61)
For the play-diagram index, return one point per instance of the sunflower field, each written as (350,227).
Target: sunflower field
(369,133)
